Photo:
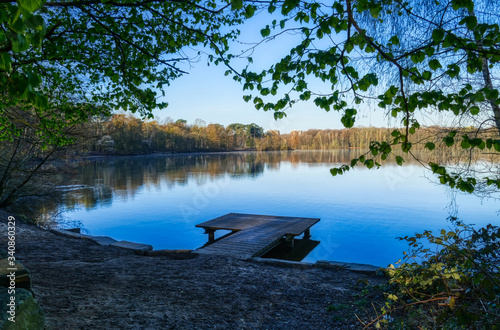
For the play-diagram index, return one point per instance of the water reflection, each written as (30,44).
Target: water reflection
(158,200)
(124,177)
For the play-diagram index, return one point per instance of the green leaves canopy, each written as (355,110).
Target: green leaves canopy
(66,61)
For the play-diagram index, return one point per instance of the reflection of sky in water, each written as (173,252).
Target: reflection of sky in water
(361,212)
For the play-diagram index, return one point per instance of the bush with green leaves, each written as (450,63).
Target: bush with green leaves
(450,280)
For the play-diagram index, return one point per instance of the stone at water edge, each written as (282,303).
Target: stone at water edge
(29,315)
(136,247)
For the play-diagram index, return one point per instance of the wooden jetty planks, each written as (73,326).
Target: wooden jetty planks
(253,234)
(236,221)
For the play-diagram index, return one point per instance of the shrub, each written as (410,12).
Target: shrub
(450,280)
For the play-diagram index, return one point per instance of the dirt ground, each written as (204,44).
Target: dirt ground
(81,285)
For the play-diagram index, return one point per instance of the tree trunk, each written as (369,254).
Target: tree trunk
(489,84)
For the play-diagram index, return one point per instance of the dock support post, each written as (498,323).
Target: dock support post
(289,240)
(211,235)
(307,233)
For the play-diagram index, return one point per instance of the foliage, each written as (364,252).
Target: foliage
(406,58)
(64,63)
(123,134)
(129,135)
(69,61)
(448,280)
(26,162)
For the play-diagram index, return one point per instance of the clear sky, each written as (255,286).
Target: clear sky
(206,93)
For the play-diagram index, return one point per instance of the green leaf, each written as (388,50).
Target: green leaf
(399,160)
(406,146)
(305,96)
(496,145)
(369,163)
(465,144)
(338,7)
(236,4)
(427,75)
(375,11)
(437,35)
(394,40)
(249,11)
(265,32)
(418,57)
(34,22)
(5,62)
(41,101)
(468,4)
(349,46)
(470,22)
(392,297)
(30,5)
(288,6)
(474,110)
(449,141)
(279,115)
(348,118)
(396,133)
(491,94)
(430,146)
(434,64)
(348,122)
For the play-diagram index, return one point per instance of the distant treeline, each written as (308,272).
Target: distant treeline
(121,134)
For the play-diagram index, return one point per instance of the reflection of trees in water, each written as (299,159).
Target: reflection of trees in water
(88,197)
(124,177)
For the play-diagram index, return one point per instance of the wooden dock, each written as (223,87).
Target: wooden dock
(253,235)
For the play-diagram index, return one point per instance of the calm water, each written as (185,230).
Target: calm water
(159,200)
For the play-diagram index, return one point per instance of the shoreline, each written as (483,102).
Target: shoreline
(145,249)
(94,157)
(82,284)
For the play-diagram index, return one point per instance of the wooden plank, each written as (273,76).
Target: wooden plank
(255,234)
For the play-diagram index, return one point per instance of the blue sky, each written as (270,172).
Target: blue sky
(207,94)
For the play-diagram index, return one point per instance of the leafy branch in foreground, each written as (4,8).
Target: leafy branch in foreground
(63,63)
(58,56)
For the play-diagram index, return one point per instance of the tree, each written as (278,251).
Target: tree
(24,171)
(253,131)
(63,63)
(403,57)
(91,56)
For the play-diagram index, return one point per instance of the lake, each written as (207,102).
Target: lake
(158,200)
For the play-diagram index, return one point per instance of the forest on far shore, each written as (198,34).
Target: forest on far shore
(126,134)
